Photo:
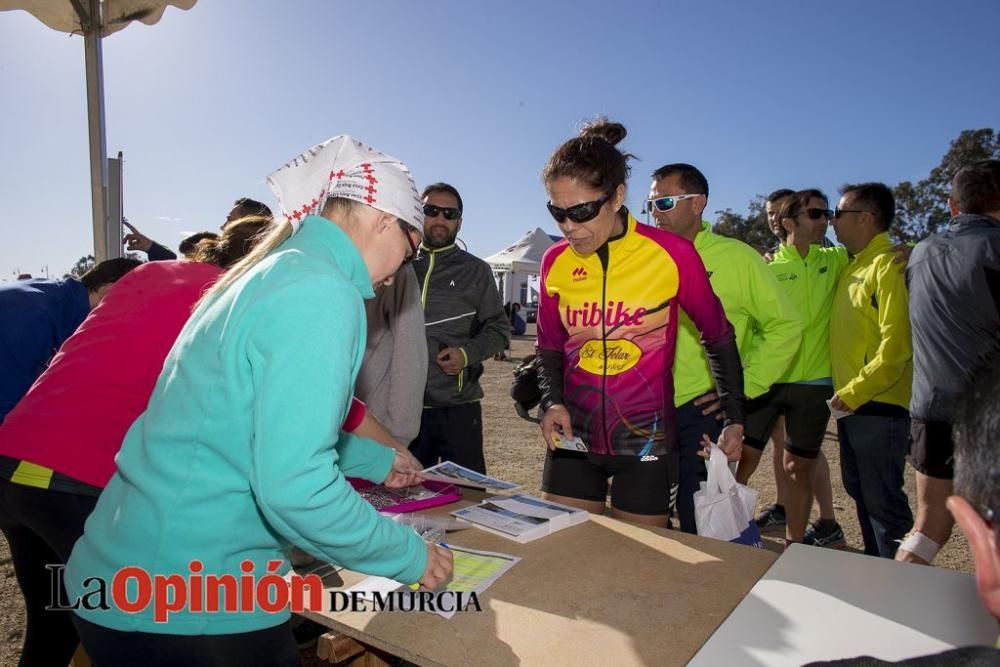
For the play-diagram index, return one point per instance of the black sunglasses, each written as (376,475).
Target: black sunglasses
(449,212)
(408,231)
(817,213)
(579,213)
(841,211)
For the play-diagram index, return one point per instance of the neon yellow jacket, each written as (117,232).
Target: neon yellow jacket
(810,284)
(767,325)
(870,347)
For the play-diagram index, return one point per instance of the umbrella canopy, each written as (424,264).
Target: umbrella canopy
(95,19)
(65,15)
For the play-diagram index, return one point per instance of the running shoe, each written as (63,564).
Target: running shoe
(772,517)
(826,534)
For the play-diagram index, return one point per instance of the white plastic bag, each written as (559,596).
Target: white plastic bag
(723,509)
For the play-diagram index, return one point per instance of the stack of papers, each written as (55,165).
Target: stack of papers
(521,518)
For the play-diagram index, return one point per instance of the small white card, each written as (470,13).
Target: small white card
(562,442)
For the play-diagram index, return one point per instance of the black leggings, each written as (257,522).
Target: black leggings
(270,647)
(41,527)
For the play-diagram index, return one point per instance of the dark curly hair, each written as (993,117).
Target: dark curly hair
(592,157)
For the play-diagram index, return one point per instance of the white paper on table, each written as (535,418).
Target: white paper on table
(371,585)
(462,580)
(823,604)
(448,471)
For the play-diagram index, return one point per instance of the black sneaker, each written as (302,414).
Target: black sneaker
(826,534)
(772,517)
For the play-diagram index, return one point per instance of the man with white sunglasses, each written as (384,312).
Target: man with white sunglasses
(767,326)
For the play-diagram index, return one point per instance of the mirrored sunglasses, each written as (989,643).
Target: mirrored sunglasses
(664,204)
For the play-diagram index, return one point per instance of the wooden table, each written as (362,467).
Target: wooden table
(602,593)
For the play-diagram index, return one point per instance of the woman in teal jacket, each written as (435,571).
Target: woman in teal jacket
(239,454)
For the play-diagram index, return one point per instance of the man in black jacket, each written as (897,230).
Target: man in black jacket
(465,324)
(954,283)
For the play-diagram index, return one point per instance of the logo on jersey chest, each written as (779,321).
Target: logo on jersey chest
(609,357)
(615,314)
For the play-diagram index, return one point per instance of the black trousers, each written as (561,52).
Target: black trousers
(691,424)
(41,527)
(270,647)
(451,434)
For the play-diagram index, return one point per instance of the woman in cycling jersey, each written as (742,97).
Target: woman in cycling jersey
(607,328)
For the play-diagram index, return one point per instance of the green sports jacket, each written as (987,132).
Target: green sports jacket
(767,325)
(810,285)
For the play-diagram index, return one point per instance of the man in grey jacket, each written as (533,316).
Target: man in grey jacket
(954,283)
(465,324)
(392,377)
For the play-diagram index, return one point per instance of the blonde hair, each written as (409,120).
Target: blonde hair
(238,239)
(278,235)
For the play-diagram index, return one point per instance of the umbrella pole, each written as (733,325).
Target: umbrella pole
(95,125)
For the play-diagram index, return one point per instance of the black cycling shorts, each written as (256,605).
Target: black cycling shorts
(806,417)
(639,484)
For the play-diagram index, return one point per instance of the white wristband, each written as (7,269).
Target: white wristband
(921,546)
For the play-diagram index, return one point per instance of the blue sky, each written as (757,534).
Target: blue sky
(206,103)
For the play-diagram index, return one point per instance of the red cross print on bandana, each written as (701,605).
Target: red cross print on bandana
(345,167)
(370,177)
(303,211)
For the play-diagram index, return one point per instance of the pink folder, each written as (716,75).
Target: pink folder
(393,501)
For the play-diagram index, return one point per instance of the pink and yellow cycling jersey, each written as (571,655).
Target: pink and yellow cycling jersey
(612,315)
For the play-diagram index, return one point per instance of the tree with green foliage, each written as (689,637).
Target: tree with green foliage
(752,228)
(922,207)
(84,264)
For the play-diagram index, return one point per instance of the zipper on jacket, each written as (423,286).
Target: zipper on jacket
(803,359)
(427,280)
(602,254)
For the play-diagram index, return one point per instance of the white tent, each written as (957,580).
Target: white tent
(524,255)
(514,265)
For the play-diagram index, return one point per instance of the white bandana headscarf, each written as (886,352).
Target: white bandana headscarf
(346,167)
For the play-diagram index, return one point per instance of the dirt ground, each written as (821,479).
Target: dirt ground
(515,451)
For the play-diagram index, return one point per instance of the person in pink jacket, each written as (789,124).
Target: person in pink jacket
(58,444)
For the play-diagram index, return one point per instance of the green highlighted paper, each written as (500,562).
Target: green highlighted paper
(474,572)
